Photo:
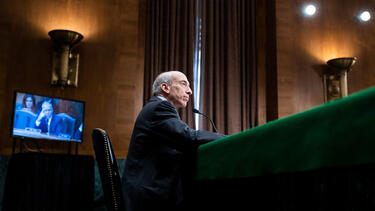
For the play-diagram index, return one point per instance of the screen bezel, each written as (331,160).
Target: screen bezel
(49,96)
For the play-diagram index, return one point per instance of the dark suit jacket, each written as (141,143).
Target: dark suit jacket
(55,125)
(161,143)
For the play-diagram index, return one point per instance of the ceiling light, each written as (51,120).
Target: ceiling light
(309,10)
(364,16)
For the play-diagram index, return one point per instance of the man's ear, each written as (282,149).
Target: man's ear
(165,88)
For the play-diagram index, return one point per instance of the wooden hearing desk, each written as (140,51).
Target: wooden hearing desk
(320,159)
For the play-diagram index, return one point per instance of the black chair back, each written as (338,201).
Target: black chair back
(110,177)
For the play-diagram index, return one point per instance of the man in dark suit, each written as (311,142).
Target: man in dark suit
(47,121)
(155,172)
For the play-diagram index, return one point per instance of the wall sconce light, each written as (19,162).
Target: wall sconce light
(335,78)
(65,61)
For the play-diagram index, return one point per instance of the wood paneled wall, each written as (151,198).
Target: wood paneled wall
(305,43)
(111,63)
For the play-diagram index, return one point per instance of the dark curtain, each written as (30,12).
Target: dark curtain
(170,33)
(229,76)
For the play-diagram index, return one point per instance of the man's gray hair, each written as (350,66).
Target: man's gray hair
(164,77)
(47,102)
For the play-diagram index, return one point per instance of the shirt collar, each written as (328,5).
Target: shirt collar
(161,97)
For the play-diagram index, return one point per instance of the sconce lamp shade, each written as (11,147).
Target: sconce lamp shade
(344,63)
(335,79)
(65,37)
(65,61)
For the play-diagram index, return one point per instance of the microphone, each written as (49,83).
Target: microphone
(198,112)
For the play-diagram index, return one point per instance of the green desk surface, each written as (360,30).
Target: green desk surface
(339,133)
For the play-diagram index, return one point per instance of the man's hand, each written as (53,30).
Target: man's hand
(41,115)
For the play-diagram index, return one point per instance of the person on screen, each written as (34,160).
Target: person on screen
(47,121)
(159,154)
(78,132)
(25,116)
(28,103)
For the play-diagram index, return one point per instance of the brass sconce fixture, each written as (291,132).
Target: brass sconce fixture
(335,79)
(65,61)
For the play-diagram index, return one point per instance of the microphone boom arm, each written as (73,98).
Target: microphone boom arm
(198,112)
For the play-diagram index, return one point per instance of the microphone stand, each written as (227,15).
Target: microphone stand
(198,112)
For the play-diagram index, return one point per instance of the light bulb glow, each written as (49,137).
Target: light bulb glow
(309,10)
(365,16)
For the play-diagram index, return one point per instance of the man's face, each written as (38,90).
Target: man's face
(179,91)
(47,109)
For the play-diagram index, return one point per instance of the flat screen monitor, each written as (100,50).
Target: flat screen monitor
(43,117)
